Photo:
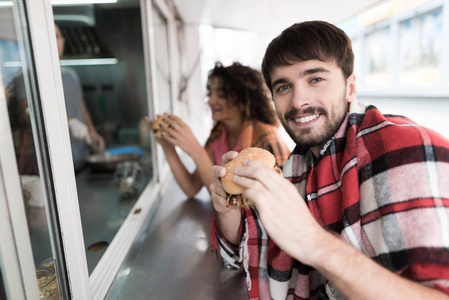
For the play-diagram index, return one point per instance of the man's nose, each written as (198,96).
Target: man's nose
(300,97)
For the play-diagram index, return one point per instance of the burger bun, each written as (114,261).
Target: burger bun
(156,127)
(256,153)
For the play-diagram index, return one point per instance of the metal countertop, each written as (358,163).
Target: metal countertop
(173,259)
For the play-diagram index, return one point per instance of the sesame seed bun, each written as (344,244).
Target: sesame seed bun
(259,154)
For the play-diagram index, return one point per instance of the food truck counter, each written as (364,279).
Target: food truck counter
(172,258)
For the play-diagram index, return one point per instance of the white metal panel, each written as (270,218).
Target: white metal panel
(154,88)
(268,16)
(162,166)
(40,18)
(15,246)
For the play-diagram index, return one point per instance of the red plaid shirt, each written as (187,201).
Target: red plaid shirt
(382,183)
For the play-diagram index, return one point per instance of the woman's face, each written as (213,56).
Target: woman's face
(219,103)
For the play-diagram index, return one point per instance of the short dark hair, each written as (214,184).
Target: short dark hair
(305,41)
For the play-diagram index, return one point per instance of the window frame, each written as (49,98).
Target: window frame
(15,246)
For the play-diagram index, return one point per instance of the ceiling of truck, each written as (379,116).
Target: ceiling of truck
(268,16)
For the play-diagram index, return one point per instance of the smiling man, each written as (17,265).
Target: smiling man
(311,100)
(362,211)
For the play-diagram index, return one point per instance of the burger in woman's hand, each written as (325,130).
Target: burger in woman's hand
(235,190)
(157,125)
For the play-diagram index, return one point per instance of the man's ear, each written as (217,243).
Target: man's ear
(351,90)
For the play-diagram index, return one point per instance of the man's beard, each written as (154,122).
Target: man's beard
(307,138)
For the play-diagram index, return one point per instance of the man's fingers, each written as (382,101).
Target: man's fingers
(247,182)
(254,169)
(217,189)
(218,194)
(218,171)
(227,157)
(256,175)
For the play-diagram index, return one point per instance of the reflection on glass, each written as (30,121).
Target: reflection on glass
(111,178)
(421,48)
(377,58)
(22,105)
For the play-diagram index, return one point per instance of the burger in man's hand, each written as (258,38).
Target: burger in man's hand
(235,190)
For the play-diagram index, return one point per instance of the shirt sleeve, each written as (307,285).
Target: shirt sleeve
(229,252)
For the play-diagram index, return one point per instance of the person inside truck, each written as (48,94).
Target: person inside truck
(83,134)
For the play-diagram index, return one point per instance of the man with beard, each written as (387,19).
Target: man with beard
(362,211)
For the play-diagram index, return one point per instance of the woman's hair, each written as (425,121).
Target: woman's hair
(305,41)
(244,87)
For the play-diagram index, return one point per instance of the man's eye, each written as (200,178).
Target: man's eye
(283,88)
(316,80)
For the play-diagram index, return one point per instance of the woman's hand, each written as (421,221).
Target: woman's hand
(178,133)
(161,141)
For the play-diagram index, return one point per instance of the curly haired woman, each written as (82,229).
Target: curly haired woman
(244,117)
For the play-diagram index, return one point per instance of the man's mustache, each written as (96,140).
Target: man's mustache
(309,110)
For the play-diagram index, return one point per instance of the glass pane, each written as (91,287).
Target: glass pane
(421,48)
(163,82)
(28,133)
(377,58)
(103,69)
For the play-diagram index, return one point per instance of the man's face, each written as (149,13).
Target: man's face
(311,100)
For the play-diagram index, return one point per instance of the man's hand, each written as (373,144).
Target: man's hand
(218,194)
(282,210)
(228,218)
(97,139)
